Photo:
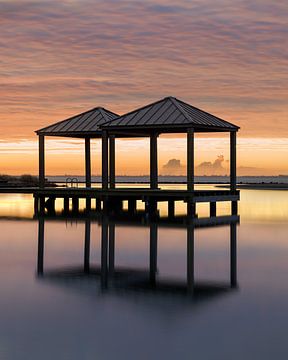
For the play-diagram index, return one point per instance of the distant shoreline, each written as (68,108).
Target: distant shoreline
(258,186)
(30,189)
(243,182)
(166,179)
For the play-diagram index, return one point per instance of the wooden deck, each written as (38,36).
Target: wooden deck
(17,190)
(128,193)
(112,199)
(140,194)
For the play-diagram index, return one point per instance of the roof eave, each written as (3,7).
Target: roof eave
(78,134)
(169,128)
(102,110)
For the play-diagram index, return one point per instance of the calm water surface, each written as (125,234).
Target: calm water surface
(49,309)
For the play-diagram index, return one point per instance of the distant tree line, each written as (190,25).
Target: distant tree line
(22,180)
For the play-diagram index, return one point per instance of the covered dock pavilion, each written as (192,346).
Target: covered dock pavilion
(168,115)
(84,126)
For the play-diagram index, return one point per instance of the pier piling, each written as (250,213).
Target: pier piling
(171,208)
(213,208)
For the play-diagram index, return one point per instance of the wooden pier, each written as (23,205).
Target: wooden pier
(111,200)
(166,116)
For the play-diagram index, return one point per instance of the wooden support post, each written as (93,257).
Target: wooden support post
(113,205)
(105,177)
(213,208)
(151,207)
(171,208)
(233,255)
(42,204)
(36,205)
(105,205)
(233,163)
(87,246)
(88,162)
(75,204)
(153,253)
(98,205)
(88,204)
(104,253)
(190,160)
(50,204)
(190,258)
(111,248)
(41,161)
(234,207)
(40,257)
(132,205)
(66,204)
(112,161)
(191,208)
(153,162)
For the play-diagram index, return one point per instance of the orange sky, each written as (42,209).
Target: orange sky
(227,57)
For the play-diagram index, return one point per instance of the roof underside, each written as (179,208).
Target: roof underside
(169,115)
(84,124)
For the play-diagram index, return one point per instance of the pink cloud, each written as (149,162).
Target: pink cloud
(61,57)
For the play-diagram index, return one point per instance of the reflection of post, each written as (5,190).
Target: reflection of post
(233,255)
(40,258)
(111,248)
(153,252)
(87,246)
(104,251)
(190,258)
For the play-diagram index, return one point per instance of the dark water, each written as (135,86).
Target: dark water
(54,304)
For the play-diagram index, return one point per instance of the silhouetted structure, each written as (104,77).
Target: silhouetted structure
(168,115)
(85,126)
(165,116)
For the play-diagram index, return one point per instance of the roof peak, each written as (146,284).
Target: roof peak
(170,112)
(169,97)
(88,120)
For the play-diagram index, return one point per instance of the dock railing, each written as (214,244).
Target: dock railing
(72,182)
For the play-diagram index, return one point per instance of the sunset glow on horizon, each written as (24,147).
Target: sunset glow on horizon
(229,58)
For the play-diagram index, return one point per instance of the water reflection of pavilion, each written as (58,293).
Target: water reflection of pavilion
(110,277)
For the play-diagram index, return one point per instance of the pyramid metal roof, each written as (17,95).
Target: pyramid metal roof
(81,125)
(168,115)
